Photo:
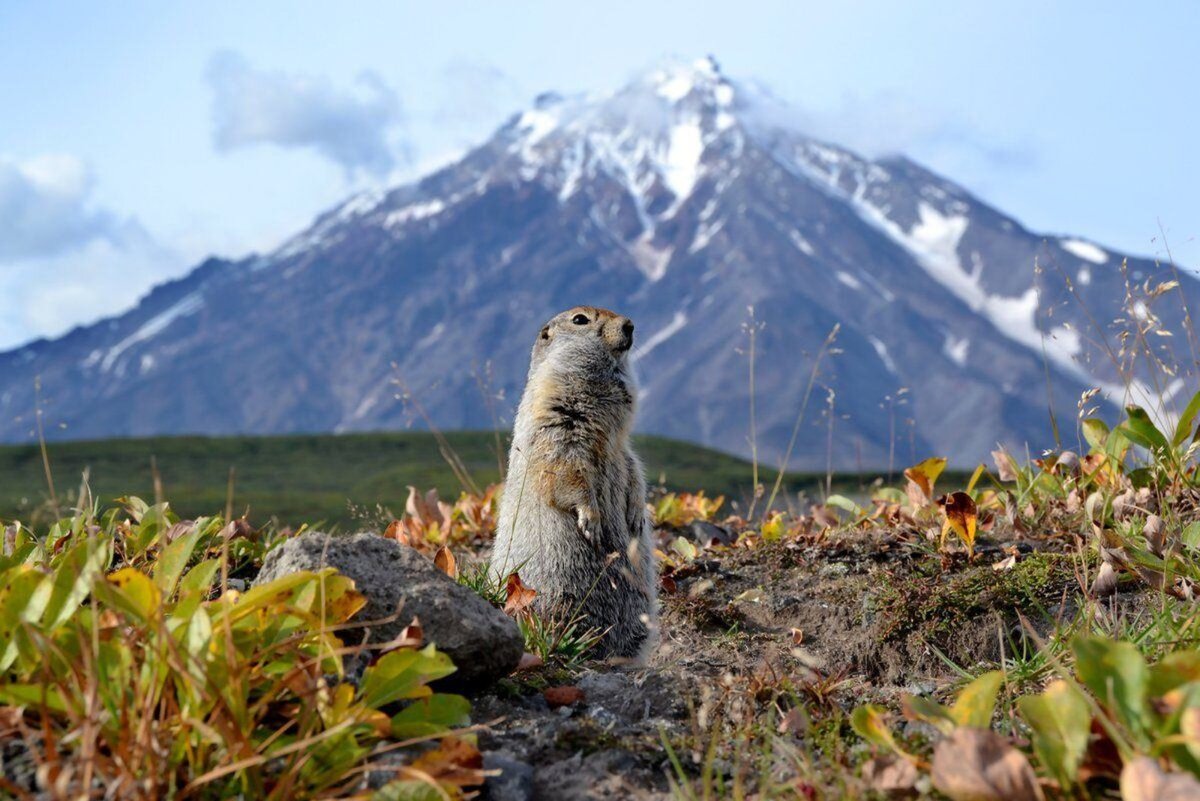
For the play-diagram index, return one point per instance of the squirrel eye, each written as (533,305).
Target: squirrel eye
(545,333)
(580,319)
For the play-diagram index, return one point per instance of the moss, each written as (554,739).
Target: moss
(938,604)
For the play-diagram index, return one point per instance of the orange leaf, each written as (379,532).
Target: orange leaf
(925,474)
(395,531)
(517,595)
(962,517)
(454,761)
(445,562)
(562,696)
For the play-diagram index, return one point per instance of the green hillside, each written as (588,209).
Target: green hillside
(310,478)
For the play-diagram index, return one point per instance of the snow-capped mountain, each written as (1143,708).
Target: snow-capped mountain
(682,201)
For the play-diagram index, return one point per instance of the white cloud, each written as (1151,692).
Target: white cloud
(891,123)
(46,210)
(347,126)
(66,260)
(50,295)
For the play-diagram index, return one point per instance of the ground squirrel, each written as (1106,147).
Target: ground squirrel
(573,519)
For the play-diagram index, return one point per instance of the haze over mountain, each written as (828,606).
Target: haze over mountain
(683,199)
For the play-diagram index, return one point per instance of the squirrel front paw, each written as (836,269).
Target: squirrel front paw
(588,522)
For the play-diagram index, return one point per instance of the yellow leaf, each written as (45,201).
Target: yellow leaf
(138,592)
(962,517)
(925,474)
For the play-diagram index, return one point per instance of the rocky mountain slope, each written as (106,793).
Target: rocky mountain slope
(682,201)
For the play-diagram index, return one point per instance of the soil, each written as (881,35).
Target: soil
(861,617)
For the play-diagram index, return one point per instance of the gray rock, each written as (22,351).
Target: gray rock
(703,533)
(484,643)
(515,782)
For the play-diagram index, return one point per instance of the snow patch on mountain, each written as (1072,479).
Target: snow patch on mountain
(849,280)
(934,243)
(413,212)
(801,243)
(662,335)
(682,167)
(882,351)
(156,325)
(1084,250)
(956,349)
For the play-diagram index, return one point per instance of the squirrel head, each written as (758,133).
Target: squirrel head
(585,337)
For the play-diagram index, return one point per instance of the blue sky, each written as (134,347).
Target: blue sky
(138,137)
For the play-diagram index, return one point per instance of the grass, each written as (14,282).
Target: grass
(317,478)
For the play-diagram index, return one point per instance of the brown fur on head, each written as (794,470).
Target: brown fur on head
(586,325)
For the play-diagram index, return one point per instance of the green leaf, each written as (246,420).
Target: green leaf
(845,504)
(198,633)
(929,711)
(195,587)
(1117,674)
(23,600)
(889,495)
(409,790)
(73,579)
(868,722)
(1095,431)
(200,578)
(1173,670)
(173,559)
(1187,420)
(1140,429)
(263,595)
(403,673)
(33,696)
(1190,535)
(1061,722)
(430,716)
(977,701)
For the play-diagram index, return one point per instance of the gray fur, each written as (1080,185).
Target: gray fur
(573,520)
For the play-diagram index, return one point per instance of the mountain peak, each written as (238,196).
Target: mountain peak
(681,198)
(676,79)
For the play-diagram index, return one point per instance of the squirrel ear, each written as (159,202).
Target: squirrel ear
(545,332)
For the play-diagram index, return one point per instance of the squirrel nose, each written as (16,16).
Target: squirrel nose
(627,328)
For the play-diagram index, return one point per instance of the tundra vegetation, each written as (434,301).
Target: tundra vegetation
(1028,630)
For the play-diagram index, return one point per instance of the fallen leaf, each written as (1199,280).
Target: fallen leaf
(1006,466)
(454,761)
(237,529)
(1143,780)
(700,587)
(1007,563)
(1093,462)
(1154,532)
(668,585)
(751,596)
(891,776)
(517,596)
(565,695)
(10,716)
(797,636)
(445,562)
(1106,581)
(925,474)
(962,517)
(396,531)
(979,765)
(794,721)
(411,636)
(529,661)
